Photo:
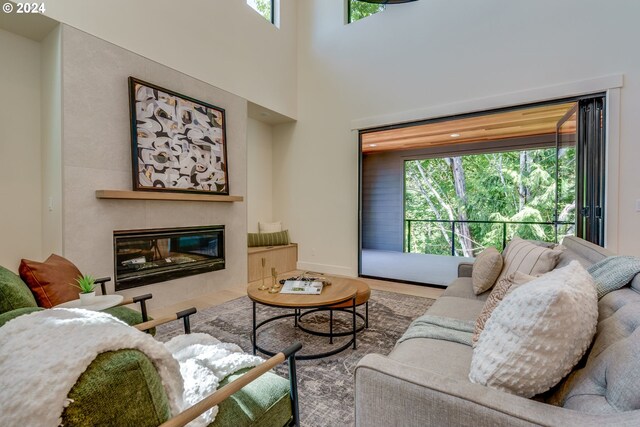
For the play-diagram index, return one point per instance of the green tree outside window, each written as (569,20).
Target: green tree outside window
(359,10)
(511,186)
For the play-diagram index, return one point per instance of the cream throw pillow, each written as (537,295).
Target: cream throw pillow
(486,269)
(269,227)
(538,333)
(500,290)
(526,257)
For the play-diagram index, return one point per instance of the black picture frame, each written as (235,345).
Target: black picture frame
(178,143)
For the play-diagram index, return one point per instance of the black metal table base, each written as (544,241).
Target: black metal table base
(331,334)
(297,315)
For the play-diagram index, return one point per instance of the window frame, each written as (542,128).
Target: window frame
(603,147)
(273,12)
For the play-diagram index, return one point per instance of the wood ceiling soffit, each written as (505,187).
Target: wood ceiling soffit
(492,127)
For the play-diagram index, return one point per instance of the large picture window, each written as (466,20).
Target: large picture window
(437,192)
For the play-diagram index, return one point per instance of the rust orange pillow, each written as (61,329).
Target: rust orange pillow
(50,281)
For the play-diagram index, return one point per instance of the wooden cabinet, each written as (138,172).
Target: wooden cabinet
(283,258)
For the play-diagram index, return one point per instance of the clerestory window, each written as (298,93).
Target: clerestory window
(266,8)
(357,10)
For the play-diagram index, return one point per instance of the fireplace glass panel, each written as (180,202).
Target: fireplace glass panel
(150,256)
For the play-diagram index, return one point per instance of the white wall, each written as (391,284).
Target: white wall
(96,155)
(259,174)
(51,113)
(426,54)
(20,206)
(222,42)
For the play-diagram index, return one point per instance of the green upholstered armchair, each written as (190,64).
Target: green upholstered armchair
(123,388)
(15,294)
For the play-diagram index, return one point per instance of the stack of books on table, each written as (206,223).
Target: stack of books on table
(303,287)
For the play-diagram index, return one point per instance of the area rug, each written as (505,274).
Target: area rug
(325,385)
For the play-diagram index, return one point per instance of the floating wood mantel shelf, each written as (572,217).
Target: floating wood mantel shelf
(156,195)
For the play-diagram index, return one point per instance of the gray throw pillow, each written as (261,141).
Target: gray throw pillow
(614,272)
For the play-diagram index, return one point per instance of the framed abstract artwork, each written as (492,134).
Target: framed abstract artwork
(178,143)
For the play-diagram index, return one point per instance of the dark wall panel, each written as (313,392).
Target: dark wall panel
(382,201)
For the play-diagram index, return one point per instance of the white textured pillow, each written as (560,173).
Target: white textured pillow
(538,333)
(502,288)
(269,227)
(528,258)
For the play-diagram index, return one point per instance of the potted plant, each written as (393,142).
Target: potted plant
(87,285)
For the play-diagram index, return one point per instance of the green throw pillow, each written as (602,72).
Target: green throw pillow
(14,293)
(269,239)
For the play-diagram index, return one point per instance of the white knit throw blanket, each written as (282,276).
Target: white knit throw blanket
(42,354)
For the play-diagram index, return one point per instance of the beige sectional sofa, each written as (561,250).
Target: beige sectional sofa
(424,382)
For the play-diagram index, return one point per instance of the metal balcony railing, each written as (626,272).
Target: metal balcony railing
(453,223)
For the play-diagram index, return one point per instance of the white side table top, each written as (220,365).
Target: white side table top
(100,302)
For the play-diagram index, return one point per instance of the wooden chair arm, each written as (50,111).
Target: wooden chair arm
(219,395)
(184,314)
(126,301)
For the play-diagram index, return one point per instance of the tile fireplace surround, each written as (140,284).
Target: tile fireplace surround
(96,154)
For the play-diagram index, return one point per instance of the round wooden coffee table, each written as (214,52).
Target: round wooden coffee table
(341,291)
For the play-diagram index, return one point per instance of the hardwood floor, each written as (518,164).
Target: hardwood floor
(227,294)
(404,288)
(203,301)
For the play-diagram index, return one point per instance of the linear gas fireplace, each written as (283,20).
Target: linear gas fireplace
(149,256)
